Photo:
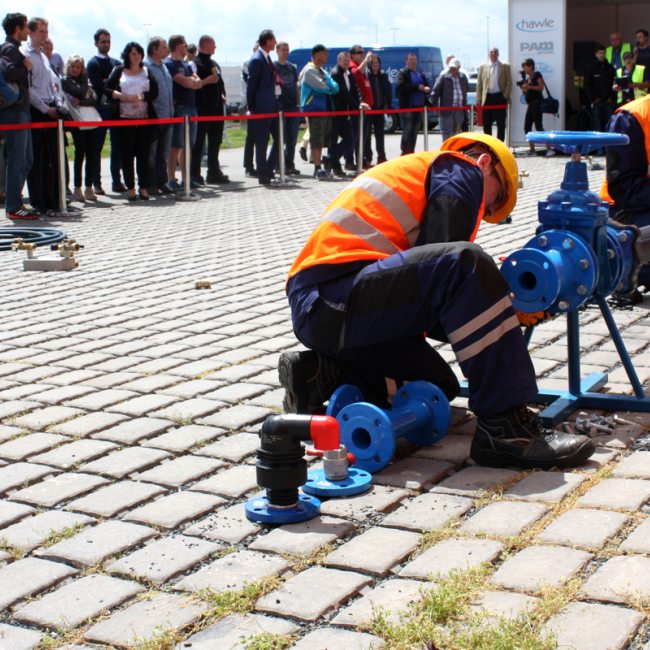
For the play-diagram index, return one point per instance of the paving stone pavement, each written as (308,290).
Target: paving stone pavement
(129,406)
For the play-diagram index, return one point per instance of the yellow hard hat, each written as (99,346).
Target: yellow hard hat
(506,162)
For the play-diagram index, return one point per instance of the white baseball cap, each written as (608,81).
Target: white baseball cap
(454,63)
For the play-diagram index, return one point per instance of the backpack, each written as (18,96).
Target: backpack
(9,92)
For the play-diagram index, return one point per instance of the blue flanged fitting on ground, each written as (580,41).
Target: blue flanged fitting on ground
(576,252)
(420,413)
(259,509)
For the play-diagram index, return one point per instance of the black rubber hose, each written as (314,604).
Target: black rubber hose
(38,236)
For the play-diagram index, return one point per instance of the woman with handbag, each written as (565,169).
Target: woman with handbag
(81,102)
(382,97)
(130,91)
(532,86)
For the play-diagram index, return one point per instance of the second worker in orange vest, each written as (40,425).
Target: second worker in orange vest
(393,257)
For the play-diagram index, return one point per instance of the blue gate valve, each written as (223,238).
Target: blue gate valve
(420,413)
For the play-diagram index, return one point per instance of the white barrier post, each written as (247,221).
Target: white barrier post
(508,126)
(187,151)
(281,145)
(426,129)
(471,118)
(360,147)
(63,206)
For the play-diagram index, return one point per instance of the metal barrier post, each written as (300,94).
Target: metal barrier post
(426,129)
(471,118)
(63,206)
(508,126)
(281,145)
(360,147)
(187,154)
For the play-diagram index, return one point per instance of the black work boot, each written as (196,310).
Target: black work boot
(518,437)
(309,379)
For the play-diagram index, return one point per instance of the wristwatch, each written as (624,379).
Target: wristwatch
(140,96)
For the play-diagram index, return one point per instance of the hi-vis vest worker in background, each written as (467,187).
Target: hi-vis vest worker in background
(627,183)
(391,263)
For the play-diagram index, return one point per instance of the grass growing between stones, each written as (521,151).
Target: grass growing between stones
(268,641)
(54,537)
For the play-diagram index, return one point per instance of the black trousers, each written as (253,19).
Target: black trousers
(85,143)
(213,131)
(497,115)
(533,116)
(376,124)
(134,146)
(43,178)
(249,146)
(264,129)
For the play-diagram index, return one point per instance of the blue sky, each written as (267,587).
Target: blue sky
(458,27)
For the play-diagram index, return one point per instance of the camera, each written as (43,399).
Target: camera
(523,79)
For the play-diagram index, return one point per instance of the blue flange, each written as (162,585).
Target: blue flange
(342,397)
(259,509)
(356,481)
(432,398)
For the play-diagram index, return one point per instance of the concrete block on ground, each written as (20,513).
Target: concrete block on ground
(548,487)
(58,489)
(472,481)
(22,474)
(232,483)
(586,529)
(619,580)
(234,447)
(122,463)
(180,471)
(377,499)
(617,494)
(504,518)
(334,639)
(412,473)
(183,438)
(450,449)
(18,638)
(66,456)
(229,525)
(131,432)
(115,498)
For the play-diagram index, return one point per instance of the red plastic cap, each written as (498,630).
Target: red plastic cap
(325,432)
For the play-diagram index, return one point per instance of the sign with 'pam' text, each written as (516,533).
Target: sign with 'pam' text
(537,32)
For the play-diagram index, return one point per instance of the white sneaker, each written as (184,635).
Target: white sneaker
(530,153)
(550,152)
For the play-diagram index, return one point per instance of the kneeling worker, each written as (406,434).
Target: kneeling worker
(392,258)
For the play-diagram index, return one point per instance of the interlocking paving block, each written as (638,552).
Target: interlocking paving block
(142,405)
(66,456)
(238,373)
(184,438)
(585,626)
(600,457)
(12,512)
(193,369)
(64,394)
(363,506)
(231,632)
(129,433)
(146,620)
(312,593)
(587,529)
(229,525)
(18,638)
(189,410)
(237,392)
(234,448)
(374,552)
(122,463)
(412,473)
(233,483)
(11,409)
(302,538)
(549,487)
(333,639)
(161,560)
(451,554)
(29,577)
(392,597)
(22,474)
(87,424)
(7,432)
(152,383)
(82,361)
(504,518)
(497,604)
(40,420)
(537,567)
(238,416)
(192,388)
(232,572)
(32,532)
(95,544)
(23,391)
(451,449)
(638,541)
(58,489)
(635,466)
(173,510)
(108,501)
(111,379)
(428,511)
(102,399)
(617,493)
(185,469)
(69,377)
(621,579)
(472,481)
(73,603)
(28,445)
(622,436)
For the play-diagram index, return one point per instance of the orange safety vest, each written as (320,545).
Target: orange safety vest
(377,215)
(640,108)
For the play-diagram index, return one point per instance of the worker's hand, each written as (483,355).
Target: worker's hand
(427,89)
(617,88)
(364,106)
(533,319)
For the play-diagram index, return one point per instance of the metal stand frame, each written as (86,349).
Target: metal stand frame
(63,205)
(582,394)
(187,153)
(425,128)
(360,147)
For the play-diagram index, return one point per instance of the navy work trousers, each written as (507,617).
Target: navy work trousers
(373,322)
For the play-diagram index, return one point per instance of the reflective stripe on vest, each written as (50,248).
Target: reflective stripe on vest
(377,215)
(637,78)
(624,48)
(640,108)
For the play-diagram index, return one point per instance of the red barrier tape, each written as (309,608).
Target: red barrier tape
(225,118)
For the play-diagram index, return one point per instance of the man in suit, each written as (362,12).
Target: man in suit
(264,87)
(493,89)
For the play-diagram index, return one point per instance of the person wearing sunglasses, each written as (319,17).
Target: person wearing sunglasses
(392,263)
